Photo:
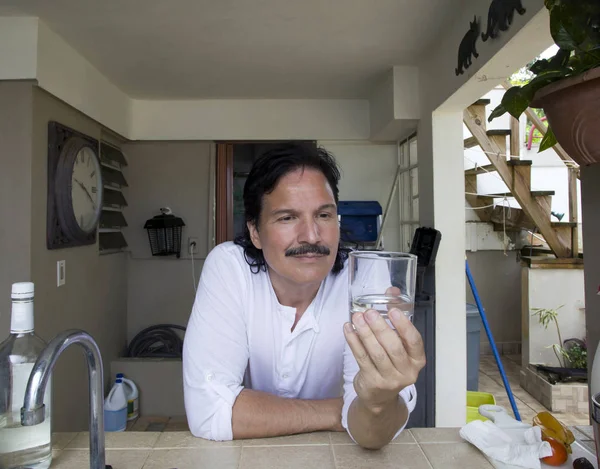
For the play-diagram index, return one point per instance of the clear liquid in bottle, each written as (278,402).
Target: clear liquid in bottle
(22,446)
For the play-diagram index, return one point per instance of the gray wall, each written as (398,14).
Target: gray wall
(173,174)
(590,200)
(94,296)
(16,108)
(498,281)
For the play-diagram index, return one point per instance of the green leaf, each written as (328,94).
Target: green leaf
(564,33)
(497,112)
(516,100)
(548,141)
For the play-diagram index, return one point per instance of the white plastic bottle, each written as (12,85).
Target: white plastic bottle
(133,397)
(115,409)
(22,446)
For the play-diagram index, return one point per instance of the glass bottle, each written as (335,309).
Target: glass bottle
(22,446)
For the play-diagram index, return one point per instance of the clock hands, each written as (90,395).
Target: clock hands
(88,194)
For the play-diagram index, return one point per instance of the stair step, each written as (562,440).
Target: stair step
(515,162)
(509,194)
(488,168)
(482,102)
(498,132)
(560,224)
(470,142)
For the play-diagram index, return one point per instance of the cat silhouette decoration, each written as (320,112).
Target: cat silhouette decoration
(500,16)
(467,47)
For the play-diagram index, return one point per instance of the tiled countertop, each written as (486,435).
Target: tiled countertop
(416,448)
(426,448)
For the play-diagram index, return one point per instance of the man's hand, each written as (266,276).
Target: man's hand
(389,360)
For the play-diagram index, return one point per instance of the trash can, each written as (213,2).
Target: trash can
(473,338)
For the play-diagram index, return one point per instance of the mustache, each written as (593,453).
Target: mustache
(308,249)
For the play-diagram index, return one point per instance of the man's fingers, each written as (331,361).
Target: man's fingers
(374,348)
(392,291)
(358,350)
(408,333)
(388,339)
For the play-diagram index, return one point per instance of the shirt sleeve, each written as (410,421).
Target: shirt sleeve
(408,394)
(215,350)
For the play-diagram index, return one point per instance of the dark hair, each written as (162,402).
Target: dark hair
(266,172)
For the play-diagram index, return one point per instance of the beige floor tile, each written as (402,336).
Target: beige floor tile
(287,457)
(143,423)
(457,456)
(319,438)
(118,440)
(62,439)
(118,459)
(174,440)
(342,438)
(407,456)
(199,458)
(436,435)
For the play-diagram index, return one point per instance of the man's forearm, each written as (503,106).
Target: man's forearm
(259,415)
(374,429)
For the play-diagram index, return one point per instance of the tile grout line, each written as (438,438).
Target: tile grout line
(424,455)
(332,451)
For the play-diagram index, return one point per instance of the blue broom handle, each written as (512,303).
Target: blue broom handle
(492,343)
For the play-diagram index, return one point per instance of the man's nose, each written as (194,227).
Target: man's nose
(309,232)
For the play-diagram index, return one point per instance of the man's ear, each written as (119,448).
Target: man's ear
(254,235)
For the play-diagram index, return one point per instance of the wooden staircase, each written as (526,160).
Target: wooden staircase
(534,214)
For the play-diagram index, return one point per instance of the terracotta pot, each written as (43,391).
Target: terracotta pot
(572,107)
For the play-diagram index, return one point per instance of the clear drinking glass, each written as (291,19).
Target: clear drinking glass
(382,280)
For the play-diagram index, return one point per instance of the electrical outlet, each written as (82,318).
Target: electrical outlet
(61,273)
(192,245)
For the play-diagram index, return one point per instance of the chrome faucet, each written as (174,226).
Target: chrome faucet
(33,410)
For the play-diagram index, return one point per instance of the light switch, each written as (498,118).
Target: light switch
(61,273)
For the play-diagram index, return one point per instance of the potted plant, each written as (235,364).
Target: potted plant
(566,86)
(570,354)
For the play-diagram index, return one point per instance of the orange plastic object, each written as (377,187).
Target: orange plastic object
(552,428)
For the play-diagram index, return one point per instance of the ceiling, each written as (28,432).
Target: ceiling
(194,49)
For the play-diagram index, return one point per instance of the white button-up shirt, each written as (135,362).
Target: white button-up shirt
(239,335)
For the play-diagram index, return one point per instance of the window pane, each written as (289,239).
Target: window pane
(415,208)
(414,176)
(413,151)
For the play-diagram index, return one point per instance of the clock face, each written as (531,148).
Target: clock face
(86,190)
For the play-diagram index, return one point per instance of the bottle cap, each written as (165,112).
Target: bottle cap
(22,290)
(119,380)
(22,307)
(119,375)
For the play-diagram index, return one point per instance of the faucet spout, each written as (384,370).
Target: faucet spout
(33,410)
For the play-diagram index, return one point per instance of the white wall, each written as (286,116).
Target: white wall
(551,288)
(368,171)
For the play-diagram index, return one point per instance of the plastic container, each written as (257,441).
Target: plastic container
(473,339)
(133,397)
(474,400)
(115,408)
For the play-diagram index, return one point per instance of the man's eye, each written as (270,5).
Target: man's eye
(325,215)
(286,218)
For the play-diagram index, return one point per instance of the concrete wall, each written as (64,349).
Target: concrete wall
(551,288)
(590,198)
(16,107)
(173,174)
(498,281)
(94,296)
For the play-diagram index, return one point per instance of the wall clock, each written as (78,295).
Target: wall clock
(74,188)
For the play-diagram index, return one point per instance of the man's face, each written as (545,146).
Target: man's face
(298,230)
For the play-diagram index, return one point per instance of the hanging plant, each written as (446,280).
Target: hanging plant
(575,28)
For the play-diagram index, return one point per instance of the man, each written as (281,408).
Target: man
(268,344)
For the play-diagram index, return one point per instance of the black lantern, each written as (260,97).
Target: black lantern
(164,233)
